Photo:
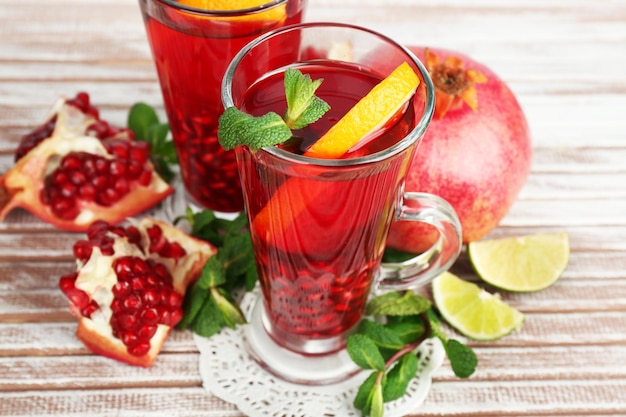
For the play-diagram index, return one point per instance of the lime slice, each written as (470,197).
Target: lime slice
(523,264)
(472,311)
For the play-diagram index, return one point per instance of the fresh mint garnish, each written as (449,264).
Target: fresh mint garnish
(210,304)
(239,128)
(386,341)
(144,122)
(303,108)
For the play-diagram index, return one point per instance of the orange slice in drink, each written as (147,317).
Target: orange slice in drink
(367,117)
(274,14)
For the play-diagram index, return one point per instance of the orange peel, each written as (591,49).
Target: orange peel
(369,115)
(273,14)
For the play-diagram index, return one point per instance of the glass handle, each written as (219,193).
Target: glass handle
(421,269)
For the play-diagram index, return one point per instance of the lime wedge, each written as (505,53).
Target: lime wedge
(472,311)
(523,264)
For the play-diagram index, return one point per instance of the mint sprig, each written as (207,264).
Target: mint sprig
(144,122)
(210,304)
(303,108)
(386,342)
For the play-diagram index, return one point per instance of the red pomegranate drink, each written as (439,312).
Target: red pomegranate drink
(191,48)
(316,274)
(319,224)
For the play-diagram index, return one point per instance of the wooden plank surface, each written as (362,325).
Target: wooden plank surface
(565,61)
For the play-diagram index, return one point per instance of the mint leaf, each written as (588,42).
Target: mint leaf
(380,335)
(212,274)
(209,305)
(231,314)
(364,352)
(398,304)
(194,301)
(407,331)
(303,107)
(377,401)
(140,117)
(362,400)
(399,377)
(239,128)
(462,358)
(144,122)
(209,320)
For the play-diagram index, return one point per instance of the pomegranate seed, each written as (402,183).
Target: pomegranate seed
(165,316)
(146,331)
(101,165)
(140,152)
(121,186)
(68,282)
(127,321)
(140,349)
(132,302)
(145,178)
(88,191)
(100,181)
(177,316)
(134,170)
(121,288)
(68,190)
(90,309)
(129,338)
(151,298)
(175,300)
(150,316)
(78,177)
(58,177)
(176,251)
(116,305)
(117,168)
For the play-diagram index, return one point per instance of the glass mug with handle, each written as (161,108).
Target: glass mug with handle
(319,226)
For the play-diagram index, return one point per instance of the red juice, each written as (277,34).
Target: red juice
(320,251)
(191,51)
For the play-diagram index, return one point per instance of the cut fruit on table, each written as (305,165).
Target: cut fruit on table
(521,264)
(76,168)
(472,311)
(128,289)
(386,100)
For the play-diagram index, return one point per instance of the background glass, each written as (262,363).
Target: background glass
(191,49)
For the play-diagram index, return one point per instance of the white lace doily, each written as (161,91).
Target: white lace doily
(229,372)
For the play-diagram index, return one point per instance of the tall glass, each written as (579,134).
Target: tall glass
(319,225)
(191,49)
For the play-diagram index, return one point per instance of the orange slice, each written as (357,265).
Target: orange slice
(275,14)
(369,115)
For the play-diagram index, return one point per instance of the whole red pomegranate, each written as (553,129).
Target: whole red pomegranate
(476,154)
(76,168)
(129,286)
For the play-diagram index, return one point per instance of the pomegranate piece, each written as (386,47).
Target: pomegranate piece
(476,154)
(126,293)
(77,168)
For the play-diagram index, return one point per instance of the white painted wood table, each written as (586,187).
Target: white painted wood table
(565,60)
